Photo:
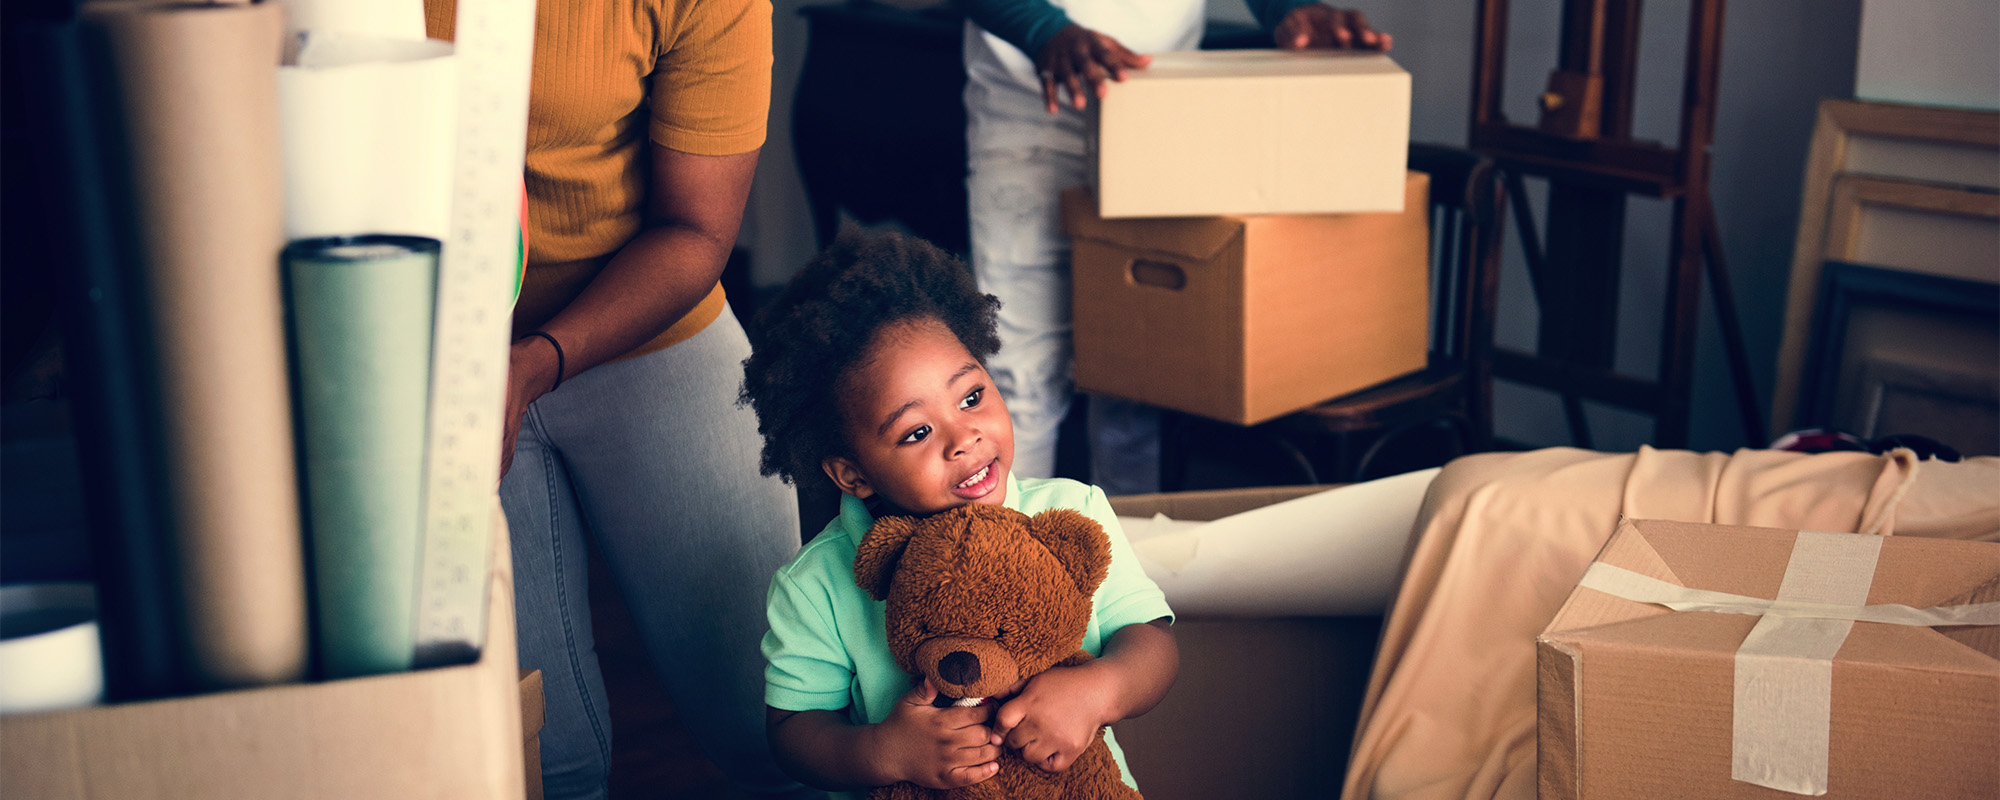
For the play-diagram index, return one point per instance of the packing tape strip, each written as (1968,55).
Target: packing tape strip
(494,46)
(1784,669)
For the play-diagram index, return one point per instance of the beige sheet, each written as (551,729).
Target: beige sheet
(1502,538)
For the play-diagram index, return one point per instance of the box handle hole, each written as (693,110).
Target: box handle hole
(1146,272)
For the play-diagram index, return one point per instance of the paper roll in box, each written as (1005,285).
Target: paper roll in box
(1243,319)
(1637,700)
(1213,132)
(450,732)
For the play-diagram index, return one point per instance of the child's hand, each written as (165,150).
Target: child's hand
(1057,714)
(937,748)
(1076,56)
(1317,25)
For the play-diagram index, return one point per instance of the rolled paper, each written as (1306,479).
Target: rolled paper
(369,126)
(105,373)
(361,311)
(196,87)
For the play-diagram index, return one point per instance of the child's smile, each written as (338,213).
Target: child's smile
(927,428)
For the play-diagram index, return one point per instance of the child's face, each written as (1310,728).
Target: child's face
(928,430)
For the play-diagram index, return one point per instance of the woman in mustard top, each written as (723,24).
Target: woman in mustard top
(644,123)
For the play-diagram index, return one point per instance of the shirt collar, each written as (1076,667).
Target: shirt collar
(855,518)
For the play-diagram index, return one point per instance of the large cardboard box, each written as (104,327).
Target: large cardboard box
(452,732)
(1243,319)
(1217,132)
(1262,708)
(1640,700)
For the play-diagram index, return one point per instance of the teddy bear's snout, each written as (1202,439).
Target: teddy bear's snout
(959,668)
(966,666)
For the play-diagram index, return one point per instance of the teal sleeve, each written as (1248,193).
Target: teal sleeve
(1026,24)
(1128,596)
(805,666)
(1271,12)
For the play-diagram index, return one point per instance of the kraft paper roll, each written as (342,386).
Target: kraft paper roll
(361,313)
(369,125)
(197,88)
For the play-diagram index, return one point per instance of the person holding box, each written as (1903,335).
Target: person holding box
(1032,66)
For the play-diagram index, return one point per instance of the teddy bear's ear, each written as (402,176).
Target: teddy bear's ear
(1078,542)
(875,558)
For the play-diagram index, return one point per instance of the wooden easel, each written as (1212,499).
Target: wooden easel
(1583,147)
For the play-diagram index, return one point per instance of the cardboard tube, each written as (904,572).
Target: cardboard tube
(361,312)
(196,86)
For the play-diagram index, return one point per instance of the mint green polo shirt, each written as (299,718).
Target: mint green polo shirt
(828,647)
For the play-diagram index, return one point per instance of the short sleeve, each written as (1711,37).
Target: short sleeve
(1128,596)
(711,84)
(805,668)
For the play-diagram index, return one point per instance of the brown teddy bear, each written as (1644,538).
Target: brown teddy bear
(979,598)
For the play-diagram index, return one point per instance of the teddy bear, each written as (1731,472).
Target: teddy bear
(979,598)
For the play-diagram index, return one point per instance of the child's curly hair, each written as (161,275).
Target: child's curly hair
(822,324)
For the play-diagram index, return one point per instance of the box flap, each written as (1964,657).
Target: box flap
(1195,64)
(1188,238)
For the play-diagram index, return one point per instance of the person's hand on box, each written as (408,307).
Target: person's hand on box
(1077,57)
(1316,25)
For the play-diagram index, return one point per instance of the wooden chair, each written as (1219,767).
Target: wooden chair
(1341,439)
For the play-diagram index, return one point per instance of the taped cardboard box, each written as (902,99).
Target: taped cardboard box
(1243,319)
(1640,700)
(450,732)
(1215,132)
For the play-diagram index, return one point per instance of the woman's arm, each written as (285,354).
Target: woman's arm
(695,207)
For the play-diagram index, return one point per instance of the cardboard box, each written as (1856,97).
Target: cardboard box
(1243,319)
(1217,132)
(1637,700)
(1222,731)
(451,732)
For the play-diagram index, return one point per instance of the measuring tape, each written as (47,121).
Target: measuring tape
(476,281)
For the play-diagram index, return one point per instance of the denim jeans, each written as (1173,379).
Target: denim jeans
(1020,159)
(651,459)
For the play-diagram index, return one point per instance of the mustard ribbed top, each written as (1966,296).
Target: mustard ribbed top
(610,75)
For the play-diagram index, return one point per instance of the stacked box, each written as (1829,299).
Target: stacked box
(1243,319)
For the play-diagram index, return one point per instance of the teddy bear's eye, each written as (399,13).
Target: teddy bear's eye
(924,628)
(1000,633)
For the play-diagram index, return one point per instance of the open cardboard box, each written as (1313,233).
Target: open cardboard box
(449,732)
(1263,708)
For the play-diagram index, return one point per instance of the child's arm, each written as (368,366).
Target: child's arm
(1058,713)
(937,748)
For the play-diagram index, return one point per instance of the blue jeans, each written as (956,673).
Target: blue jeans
(653,460)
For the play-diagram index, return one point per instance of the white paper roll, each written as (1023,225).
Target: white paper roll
(369,125)
(1334,553)
(49,654)
(400,19)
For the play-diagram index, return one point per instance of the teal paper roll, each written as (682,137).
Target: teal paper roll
(361,312)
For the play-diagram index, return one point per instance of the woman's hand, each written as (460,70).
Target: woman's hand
(531,370)
(1317,25)
(1078,56)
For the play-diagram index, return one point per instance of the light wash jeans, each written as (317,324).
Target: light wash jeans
(653,460)
(1020,159)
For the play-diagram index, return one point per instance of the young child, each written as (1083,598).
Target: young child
(869,368)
